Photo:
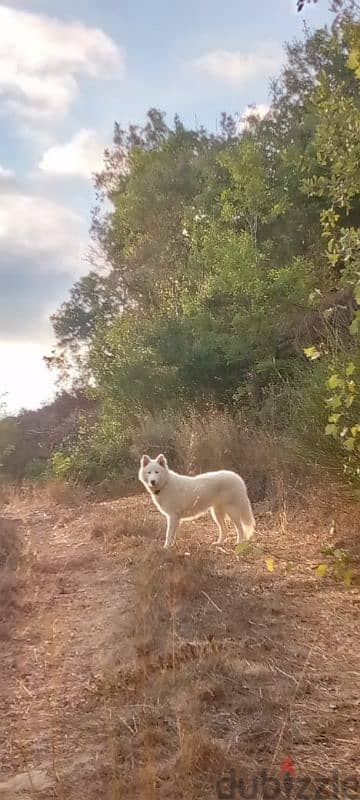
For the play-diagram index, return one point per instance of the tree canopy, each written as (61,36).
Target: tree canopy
(230,263)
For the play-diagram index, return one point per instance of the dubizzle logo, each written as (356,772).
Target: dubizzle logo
(290,785)
(288,766)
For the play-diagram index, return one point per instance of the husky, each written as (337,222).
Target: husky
(180,497)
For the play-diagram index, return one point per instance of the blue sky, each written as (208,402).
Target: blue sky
(67,71)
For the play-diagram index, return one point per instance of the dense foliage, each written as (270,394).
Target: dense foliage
(232,274)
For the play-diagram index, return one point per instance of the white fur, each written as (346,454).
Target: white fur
(180,497)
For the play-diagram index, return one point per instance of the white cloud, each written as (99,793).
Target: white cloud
(257,110)
(41,57)
(36,229)
(7,178)
(5,174)
(24,375)
(80,157)
(238,67)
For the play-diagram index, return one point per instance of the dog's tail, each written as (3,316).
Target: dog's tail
(247,518)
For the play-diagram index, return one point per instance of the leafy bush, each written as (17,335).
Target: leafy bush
(99,450)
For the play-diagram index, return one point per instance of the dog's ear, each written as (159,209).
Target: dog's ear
(161,460)
(145,460)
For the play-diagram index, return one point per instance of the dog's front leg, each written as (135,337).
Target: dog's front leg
(172,526)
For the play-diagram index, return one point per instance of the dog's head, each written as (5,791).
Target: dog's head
(153,473)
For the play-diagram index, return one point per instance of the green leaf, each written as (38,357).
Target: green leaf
(242,549)
(334,402)
(350,369)
(357,293)
(334,381)
(355,325)
(348,577)
(322,570)
(353,59)
(328,550)
(341,555)
(331,429)
(334,417)
(270,564)
(312,353)
(349,444)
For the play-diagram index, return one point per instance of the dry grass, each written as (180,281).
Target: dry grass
(8,494)
(10,583)
(65,494)
(127,529)
(10,543)
(214,663)
(58,492)
(185,682)
(232,668)
(217,440)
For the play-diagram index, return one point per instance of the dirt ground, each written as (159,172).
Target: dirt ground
(130,672)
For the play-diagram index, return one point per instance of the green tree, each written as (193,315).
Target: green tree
(226,255)
(333,173)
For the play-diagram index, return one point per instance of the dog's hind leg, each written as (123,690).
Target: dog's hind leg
(218,516)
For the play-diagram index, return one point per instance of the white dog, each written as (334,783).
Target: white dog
(181,497)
